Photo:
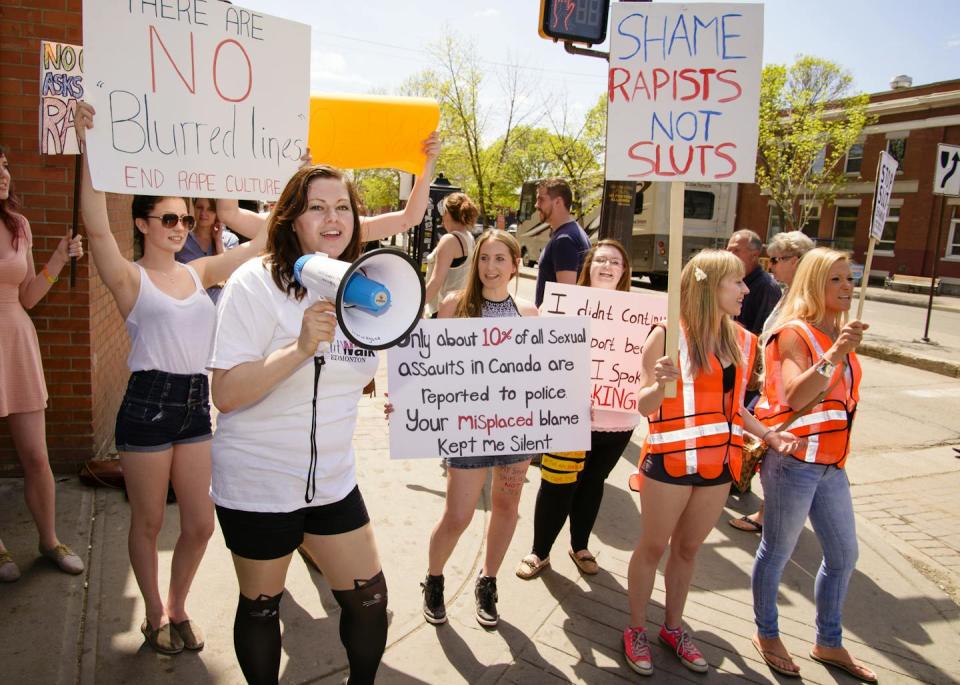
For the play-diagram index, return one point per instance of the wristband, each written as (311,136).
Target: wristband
(46,274)
(763,438)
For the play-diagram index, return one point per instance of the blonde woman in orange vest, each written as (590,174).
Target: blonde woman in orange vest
(810,351)
(695,441)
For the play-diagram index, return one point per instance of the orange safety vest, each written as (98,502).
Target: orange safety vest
(827,425)
(692,431)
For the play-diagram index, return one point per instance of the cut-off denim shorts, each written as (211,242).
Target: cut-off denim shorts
(484,462)
(160,410)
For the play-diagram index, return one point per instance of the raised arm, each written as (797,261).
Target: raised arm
(241,221)
(217,268)
(35,285)
(386,225)
(117,272)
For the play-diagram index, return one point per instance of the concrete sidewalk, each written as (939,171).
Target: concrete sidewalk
(559,628)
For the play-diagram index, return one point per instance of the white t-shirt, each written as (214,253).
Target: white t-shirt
(261,452)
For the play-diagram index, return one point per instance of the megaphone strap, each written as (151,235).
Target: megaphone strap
(311,490)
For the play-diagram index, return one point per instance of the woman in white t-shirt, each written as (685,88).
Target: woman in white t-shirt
(283,461)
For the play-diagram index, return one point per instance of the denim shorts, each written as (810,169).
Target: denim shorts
(160,410)
(484,462)
(265,535)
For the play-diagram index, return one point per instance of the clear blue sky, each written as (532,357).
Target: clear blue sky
(359,45)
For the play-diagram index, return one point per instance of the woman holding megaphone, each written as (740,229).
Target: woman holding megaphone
(274,490)
(163,428)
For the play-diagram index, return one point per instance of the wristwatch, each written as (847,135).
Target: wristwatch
(826,369)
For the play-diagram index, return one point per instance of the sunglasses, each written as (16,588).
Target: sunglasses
(777,260)
(170,220)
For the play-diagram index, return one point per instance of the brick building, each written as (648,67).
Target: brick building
(911,121)
(82,338)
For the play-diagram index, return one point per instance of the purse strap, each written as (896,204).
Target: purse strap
(815,401)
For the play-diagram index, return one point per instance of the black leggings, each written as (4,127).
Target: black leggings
(363,632)
(580,498)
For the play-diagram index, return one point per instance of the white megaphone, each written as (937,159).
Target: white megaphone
(379,298)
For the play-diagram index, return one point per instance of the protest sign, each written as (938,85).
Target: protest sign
(619,325)
(886,173)
(471,387)
(684,91)
(205,99)
(61,85)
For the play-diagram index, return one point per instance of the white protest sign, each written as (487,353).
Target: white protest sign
(684,91)
(61,85)
(619,325)
(886,173)
(472,387)
(205,99)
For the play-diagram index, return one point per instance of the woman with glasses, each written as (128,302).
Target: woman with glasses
(785,251)
(163,429)
(571,483)
(448,264)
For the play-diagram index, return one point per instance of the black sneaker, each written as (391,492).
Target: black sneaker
(433,608)
(486,596)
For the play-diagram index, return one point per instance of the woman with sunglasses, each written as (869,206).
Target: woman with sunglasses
(571,483)
(447,265)
(785,251)
(23,390)
(163,429)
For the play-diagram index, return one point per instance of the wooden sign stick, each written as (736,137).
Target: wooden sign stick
(865,278)
(674,266)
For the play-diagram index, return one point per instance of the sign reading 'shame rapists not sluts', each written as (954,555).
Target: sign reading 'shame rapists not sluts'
(619,325)
(203,99)
(471,387)
(684,91)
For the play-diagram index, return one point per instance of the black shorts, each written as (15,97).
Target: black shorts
(652,467)
(160,410)
(267,535)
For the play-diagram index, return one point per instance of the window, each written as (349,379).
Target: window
(698,204)
(845,227)
(812,228)
(897,148)
(953,239)
(773,223)
(889,238)
(819,160)
(854,159)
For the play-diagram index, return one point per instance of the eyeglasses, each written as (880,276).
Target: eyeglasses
(777,260)
(170,220)
(603,261)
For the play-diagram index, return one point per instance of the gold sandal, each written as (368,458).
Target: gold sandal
(163,639)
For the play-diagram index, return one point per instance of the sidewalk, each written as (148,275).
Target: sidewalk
(559,628)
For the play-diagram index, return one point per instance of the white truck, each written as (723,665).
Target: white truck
(709,210)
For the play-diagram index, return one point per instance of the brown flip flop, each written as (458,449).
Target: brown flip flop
(746,524)
(765,655)
(856,670)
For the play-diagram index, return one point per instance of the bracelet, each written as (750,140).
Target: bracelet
(46,274)
(763,438)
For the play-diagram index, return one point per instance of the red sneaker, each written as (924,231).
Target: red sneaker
(636,649)
(679,641)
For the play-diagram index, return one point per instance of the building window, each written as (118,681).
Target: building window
(819,160)
(889,238)
(773,222)
(812,228)
(897,148)
(845,227)
(953,240)
(854,159)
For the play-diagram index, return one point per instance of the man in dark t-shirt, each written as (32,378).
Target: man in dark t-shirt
(563,255)
(764,291)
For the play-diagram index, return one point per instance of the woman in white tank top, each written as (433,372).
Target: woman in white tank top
(448,264)
(163,427)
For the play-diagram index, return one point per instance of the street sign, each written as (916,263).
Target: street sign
(947,174)
(886,173)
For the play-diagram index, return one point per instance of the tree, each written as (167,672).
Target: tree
(809,119)
(379,189)
(578,148)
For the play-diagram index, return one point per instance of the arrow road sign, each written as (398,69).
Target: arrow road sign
(947,175)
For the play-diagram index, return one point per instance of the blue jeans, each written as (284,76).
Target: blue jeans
(793,490)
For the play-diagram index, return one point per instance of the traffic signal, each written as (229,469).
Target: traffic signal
(577,21)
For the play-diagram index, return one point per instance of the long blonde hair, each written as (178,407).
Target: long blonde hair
(470,303)
(708,329)
(806,298)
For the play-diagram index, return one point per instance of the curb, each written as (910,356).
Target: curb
(892,354)
(893,299)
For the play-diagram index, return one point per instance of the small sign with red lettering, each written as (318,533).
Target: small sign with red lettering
(199,99)
(61,85)
(684,92)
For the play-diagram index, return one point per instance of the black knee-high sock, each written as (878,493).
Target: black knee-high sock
(256,638)
(363,626)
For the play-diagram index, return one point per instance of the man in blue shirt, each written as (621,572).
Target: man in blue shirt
(563,255)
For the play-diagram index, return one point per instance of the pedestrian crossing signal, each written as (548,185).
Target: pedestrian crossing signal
(576,21)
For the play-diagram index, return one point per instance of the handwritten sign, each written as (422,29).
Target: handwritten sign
(684,91)
(61,85)
(619,324)
(886,173)
(205,99)
(471,387)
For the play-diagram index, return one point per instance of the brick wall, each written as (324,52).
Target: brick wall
(81,336)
